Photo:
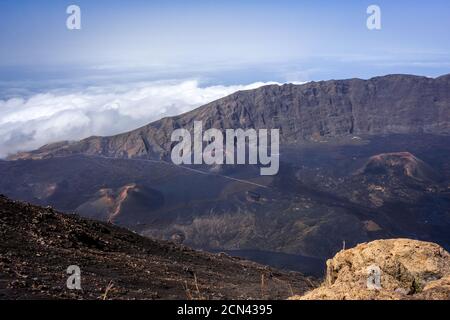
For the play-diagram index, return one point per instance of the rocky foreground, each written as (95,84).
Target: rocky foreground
(408,269)
(39,244)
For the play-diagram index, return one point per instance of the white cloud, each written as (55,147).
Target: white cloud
(27,124)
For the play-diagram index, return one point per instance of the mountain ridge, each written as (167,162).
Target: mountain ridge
(314,111)
(343,175)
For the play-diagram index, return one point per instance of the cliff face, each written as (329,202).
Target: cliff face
(383,105)
(408,269)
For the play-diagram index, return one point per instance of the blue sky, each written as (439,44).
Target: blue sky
(233,41)
(136,61)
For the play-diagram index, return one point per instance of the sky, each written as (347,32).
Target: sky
(169,56)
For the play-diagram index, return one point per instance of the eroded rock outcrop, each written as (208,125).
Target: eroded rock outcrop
(400,164)
(408,269)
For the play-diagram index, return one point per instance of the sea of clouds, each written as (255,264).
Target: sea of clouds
(68,114)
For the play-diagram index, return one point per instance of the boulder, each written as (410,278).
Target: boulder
(396,269)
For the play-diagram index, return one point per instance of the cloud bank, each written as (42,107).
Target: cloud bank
(28,123)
